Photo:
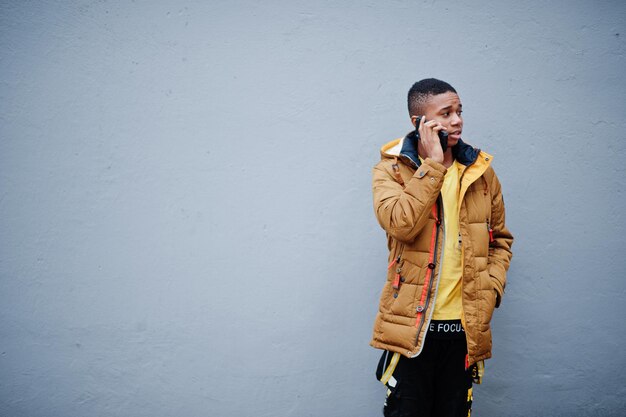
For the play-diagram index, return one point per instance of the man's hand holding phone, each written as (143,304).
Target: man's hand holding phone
(429,143)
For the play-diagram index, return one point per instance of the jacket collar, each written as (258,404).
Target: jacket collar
(462,152)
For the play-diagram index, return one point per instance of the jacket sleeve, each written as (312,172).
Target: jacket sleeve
(403,212)
(500,249)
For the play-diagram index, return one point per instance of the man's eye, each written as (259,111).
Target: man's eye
(446,114)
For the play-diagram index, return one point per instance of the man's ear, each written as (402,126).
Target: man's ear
(413,119)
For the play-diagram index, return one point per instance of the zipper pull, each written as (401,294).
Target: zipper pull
(392,263)
(490,232)
(396,280)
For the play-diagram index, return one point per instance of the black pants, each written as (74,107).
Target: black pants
(433,384)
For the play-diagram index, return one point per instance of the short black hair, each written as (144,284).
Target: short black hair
(422,90)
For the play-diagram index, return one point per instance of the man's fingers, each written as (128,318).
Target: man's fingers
(433,124)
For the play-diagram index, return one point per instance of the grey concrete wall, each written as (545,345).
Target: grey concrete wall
(186,219)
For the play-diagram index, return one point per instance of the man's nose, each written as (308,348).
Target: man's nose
(456,120)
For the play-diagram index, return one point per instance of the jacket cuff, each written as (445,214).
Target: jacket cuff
(436,165)
(499,291)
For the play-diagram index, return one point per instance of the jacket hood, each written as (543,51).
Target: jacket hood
(406,149)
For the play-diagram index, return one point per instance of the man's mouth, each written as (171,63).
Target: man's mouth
(456,133)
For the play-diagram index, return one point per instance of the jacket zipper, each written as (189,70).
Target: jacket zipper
(463,258)
(465,169)
(422,309)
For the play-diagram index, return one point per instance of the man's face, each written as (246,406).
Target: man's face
(446,109)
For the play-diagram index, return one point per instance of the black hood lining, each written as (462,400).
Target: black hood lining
(462,152)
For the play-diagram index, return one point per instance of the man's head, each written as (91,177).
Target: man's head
(437,100)
(422,91)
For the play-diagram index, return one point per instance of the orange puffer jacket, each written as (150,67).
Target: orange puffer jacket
(408,207)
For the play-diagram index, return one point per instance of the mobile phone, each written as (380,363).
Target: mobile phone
(443,135)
